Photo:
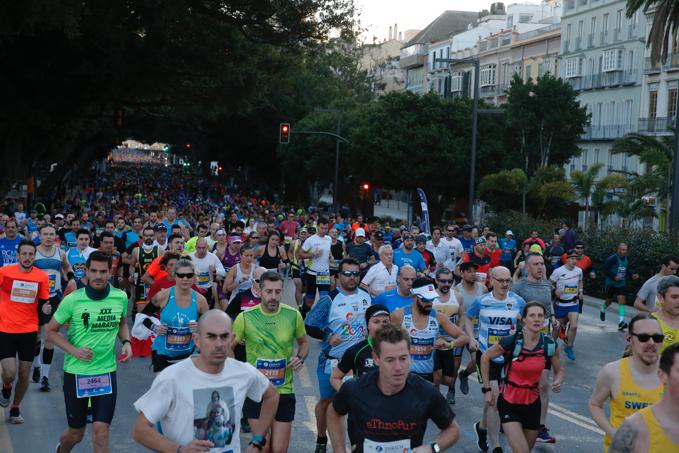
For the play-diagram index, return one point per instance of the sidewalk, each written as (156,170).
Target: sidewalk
(596,303)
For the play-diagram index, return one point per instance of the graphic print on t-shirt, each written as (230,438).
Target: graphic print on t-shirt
(214,415)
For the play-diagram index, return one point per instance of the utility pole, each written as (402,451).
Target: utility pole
(674,206)
(335,191)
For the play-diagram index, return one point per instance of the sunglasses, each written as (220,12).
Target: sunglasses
(187,275)
(254,237)
(579,247)
(351,273)
(445,281)
(503,281)
(644,337)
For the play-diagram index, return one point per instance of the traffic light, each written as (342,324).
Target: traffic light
(284,133)
(364,189)
(188,146)
(119,118)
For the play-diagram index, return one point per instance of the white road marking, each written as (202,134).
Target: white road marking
(569,418)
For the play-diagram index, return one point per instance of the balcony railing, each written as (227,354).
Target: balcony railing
(609,132)
(578,43)
(603,38)
(590,41)
(656,125)
(651,68)
(631,30)
(566,46)
(616,35)
(605,80)
(488,91)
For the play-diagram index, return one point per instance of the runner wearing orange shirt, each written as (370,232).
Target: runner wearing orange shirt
(175,243)
(24,292)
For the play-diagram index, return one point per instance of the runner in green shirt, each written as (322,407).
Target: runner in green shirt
(269,331)
(96,316)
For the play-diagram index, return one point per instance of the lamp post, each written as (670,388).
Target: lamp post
(335,192)
(475,116)
(674,205)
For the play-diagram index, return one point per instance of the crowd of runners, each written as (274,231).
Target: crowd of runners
(184,273)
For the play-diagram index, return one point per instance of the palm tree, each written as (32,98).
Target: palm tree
(656,153)
(584,183)
(665,24)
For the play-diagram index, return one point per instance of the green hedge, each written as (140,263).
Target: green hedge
(645,247)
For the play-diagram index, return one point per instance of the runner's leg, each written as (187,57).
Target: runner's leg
(516,438)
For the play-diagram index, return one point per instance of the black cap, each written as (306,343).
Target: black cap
(378,235)
(467,227)
(421,238)
(468,265)
(376,310)
(160,227)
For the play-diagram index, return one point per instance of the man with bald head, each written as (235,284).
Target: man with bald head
(400,296)
(499,312)
(209,269)
(204,394)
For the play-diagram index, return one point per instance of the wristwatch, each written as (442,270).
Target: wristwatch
(435,447)
(485,389)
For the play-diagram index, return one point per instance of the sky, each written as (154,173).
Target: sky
(377,15)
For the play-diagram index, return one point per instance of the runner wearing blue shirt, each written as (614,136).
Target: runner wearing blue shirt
(499,312)
(77,256)
(399,297)
(616,270)
(9,244)
(508,247)
(407,255)
(338,319)
(467,240)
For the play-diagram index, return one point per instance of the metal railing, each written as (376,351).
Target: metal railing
(590,40)
(604,80)
(603,38)
(608,132)
(578,42)
(650,67)
(616,35)
(656,125)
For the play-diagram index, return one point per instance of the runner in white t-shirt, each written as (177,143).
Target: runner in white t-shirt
(198,401)
(317,276)
(455,248)
(382,276)
(567,281)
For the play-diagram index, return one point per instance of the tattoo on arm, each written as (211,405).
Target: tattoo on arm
(624,439)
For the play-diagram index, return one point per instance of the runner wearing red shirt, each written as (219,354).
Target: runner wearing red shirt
(24,292)
(493,250)
(481,258)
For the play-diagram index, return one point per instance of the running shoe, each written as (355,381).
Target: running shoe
(622,326)
(45,385)
(545,437)
(464,382)
(569,352)
(602,316)
(36,374)
(481,437)
(562,333)
(15,417)
(321,448)
(450,396)
(4,396)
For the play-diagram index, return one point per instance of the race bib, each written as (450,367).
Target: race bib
(570,290)
(287,239)
(323,278)
(334,264)
(273,370)
(203,278)
(147,287)
(396,446)
(329,365)
(421,349)
(24,292)
(178,339)
(97,385)
(53,282)
(494,339)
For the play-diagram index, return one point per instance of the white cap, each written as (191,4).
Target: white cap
(426,292)
(359,232)
(509,233)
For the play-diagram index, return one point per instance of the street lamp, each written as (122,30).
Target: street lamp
(335,192)
(475,115)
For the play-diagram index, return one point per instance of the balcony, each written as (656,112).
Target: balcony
(616,35)
(672,63)
(578,43)
(631,31)
(659,126)
(651,68)
(610,132)
(605,80)
(590,41)
(488,91)
(566,46)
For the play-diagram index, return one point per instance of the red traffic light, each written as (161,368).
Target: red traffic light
(284,133)
(188,146)
(366,186)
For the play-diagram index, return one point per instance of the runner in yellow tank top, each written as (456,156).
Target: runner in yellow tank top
(668,314)
(655,429)
(632,383)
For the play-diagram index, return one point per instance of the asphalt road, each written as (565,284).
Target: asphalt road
(597,343)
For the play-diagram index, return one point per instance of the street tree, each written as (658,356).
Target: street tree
(584,183)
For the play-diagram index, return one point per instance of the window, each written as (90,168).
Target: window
(493,43)
(652,104)
(456,82)
(483,46)
(568,33)
(433,60)
(541,68)
(605,29)
(612,60)
(487,75)
(671,102)
(596,156)
(581,26)
(525,18)
(505,78)
(584,160)
(592,26)
(415,76)
(510,21)
(440,65)
(573,67)
(528,72)
(610,162)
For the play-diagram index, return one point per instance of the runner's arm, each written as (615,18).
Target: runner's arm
(631,437)
(230,280)
(145,433)
(396,317)
(446,437)
(559,373)
(66,267)
(602,392)
(453,330)
(53,335)
(203,307)
(336,429)
(261,425)
(124,336)
(494,351)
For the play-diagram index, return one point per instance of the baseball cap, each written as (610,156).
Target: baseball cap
(407,235)
(376,310)
(235,238)
(360,232)
(467,227)
(421,239)
(535,248)
(480,240)
(220,231)
(160,227)
(59,216)
(424,289)
(509,233)
(468,265)
(379,235)
(571,252)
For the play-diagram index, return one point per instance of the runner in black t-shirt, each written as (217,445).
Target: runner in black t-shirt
(390,407)
(359,358)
